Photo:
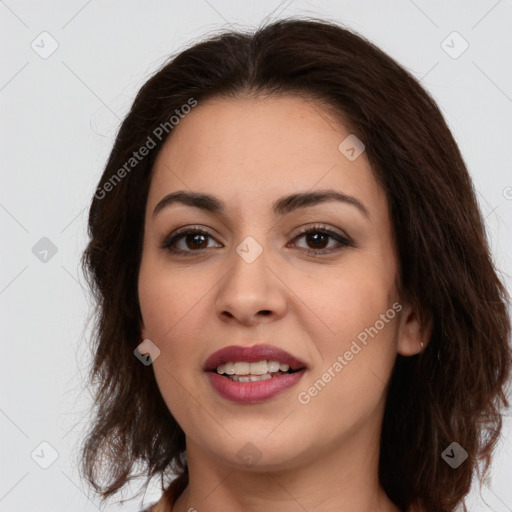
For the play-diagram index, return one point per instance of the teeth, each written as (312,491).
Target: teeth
(242,368)
(250,378)
(273,366)
(261,368)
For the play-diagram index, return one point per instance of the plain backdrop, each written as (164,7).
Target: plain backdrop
(69,72)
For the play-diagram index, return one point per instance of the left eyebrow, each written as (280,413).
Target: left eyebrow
(280,207)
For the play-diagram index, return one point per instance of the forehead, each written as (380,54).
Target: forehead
(249,150)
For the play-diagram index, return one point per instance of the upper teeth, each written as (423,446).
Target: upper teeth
(259,368)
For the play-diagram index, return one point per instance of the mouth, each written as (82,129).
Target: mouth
(252,374)
(256,361)
(241,371)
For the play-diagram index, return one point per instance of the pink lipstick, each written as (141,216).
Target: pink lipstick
(252,374)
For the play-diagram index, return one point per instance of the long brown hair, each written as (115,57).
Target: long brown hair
(453,391)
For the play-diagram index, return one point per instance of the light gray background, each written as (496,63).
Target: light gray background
(59,117)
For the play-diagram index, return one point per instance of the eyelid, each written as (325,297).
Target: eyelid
(321,227)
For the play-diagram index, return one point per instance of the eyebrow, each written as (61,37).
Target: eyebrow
(280,207)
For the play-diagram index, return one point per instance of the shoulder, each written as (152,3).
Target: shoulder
(170,495)
(149,508)
(162,505)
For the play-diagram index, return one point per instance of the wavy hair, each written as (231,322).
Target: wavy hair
(452,391)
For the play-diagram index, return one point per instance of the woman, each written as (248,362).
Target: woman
(297,303)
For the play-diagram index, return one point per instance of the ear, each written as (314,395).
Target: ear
(413,337)
(142,329)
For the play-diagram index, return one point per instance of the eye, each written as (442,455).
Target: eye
(318,236)
(194,239)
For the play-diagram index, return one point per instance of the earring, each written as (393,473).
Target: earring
(421,345)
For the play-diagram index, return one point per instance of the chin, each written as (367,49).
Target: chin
(256,452)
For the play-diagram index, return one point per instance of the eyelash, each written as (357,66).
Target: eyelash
(169,242)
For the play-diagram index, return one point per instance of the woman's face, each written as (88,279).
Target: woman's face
(327,299)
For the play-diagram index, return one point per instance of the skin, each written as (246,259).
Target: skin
(318,456)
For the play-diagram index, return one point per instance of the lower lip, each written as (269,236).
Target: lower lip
(253,392)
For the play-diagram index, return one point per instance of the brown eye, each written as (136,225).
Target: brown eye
(194,240)
(317,240)
(318,237)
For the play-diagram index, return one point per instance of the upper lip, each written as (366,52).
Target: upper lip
(253,354)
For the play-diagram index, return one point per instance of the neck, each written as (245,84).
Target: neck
(340,478)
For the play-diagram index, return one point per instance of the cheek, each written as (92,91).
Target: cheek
(170,321)
(165,297)
(174,312)
(357,352)
(346,301)
(354,363)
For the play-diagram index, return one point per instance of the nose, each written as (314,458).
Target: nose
(250,293)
